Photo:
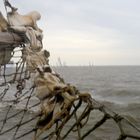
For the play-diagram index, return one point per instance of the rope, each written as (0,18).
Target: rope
(6,2)
(82,118)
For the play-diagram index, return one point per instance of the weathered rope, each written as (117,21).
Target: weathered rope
(77,126)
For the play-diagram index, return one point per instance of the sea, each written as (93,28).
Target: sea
(116,87)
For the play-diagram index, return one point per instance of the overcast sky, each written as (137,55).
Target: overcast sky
(102,32)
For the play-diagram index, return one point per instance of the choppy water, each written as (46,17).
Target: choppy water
(119,84)
(115,86)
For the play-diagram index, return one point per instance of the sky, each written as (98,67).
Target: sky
(85,32)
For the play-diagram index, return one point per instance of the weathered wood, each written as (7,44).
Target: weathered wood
(9,39)
(3,23)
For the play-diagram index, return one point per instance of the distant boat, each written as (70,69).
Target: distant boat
(11,62)
(60,63)
(91,64)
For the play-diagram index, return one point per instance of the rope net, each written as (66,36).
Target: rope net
(36,103)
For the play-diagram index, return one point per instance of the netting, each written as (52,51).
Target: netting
(25,108)
(36,103)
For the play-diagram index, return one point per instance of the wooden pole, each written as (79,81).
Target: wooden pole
(8,39)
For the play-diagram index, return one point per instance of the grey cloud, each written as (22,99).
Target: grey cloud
(117,20)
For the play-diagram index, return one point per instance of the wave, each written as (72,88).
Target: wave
(118,96)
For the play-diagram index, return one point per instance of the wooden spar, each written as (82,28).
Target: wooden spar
(8,39)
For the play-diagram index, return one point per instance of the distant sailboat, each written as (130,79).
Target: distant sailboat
(11,62)
(60,62)
(91,63)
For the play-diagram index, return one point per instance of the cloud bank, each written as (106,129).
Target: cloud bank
(103,32)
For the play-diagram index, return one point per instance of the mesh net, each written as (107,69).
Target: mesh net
(20,111)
